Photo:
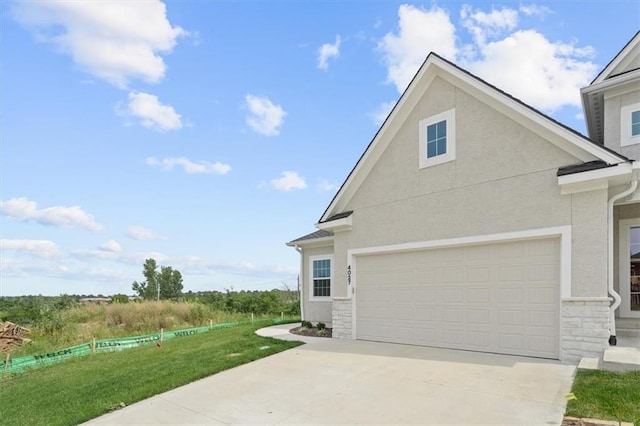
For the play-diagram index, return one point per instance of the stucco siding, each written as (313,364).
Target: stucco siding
(589,245)
(503,179)
(612,123)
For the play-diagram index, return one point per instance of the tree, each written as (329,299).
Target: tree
(168,279)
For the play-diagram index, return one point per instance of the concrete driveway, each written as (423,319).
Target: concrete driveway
(335,381)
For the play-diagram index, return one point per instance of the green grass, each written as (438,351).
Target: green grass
(606,395)
(84,388)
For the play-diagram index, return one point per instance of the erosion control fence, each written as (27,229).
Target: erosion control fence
(19,365)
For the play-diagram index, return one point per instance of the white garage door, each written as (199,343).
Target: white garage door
(499,297)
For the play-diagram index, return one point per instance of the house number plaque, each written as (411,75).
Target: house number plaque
(349,275)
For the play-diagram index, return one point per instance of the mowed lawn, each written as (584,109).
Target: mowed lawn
(606,395)
(84,388)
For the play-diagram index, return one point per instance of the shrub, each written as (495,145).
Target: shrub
(307,324)
(321,326)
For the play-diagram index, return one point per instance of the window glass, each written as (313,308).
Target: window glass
(437,139)
(635,123)
(322,278)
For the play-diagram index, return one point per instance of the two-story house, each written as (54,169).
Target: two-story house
(473,221)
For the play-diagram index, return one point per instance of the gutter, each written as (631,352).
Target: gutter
(616,297)
(300,285)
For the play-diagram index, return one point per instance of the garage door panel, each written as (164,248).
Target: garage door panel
(501,297)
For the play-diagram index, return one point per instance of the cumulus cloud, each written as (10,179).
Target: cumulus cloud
(288,182)
(264,117)
(142,233)
(198,265)
(132,258)
(116,41)
(382,112)
(325,186)
(151,112)
(189,166)
(111,246)
(420,31)
(44,249)
(482,25)
(328,51)
(543,73)
(63,217)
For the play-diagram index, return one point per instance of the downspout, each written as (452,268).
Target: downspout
(616,297)
(301,284)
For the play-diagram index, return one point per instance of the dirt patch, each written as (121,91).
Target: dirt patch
(312,332)
(574,421)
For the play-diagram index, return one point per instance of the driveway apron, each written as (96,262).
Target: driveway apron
(329,381)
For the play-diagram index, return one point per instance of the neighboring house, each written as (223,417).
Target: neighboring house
(473,221)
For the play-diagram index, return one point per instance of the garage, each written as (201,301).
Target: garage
(495,297)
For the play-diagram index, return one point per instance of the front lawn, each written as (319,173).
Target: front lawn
(75,391)
(606,395)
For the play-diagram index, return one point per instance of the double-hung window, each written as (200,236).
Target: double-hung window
(321,275)
(437,139)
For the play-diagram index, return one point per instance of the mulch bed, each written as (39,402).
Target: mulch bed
(313,332)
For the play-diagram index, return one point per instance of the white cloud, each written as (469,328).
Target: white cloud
(189,166)
(116,41)
(541,73)
(484,25)
(288,182)
(197,265)
(264,116)
(328,51)
(59,216)
(325,186)
(152,113)
(133,258)
(420,32)
(382,112)
(39,248)
(141,233)
(522,62)
(111,246)
(535,10)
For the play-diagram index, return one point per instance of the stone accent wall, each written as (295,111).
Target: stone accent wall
(584,328)
(341,318)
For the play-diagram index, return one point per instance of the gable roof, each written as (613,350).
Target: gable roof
(623,70)
(434,66)
(627,59)
(312,236)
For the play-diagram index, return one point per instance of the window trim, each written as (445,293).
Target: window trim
(328,257)
(626,139)
(449,117)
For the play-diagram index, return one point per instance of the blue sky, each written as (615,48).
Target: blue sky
(206,134)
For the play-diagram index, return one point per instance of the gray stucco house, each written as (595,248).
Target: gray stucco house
(473,221)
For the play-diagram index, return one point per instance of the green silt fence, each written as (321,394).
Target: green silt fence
(19,365)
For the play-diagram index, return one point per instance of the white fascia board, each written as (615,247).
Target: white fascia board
(621,169)
(620,80)
(343,224)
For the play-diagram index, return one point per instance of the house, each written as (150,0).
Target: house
(473,221)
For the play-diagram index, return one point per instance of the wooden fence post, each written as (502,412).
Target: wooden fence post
(93,346)
(6,361)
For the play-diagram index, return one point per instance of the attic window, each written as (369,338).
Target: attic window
(630,125)
(437,139)
(635,123)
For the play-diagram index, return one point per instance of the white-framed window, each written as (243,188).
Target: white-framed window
(320,277)
(437,139)
(630,125)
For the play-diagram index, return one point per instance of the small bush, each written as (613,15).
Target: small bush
(321,326)
(307,324)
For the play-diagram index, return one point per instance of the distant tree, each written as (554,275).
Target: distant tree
(168,279)
(120,298)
